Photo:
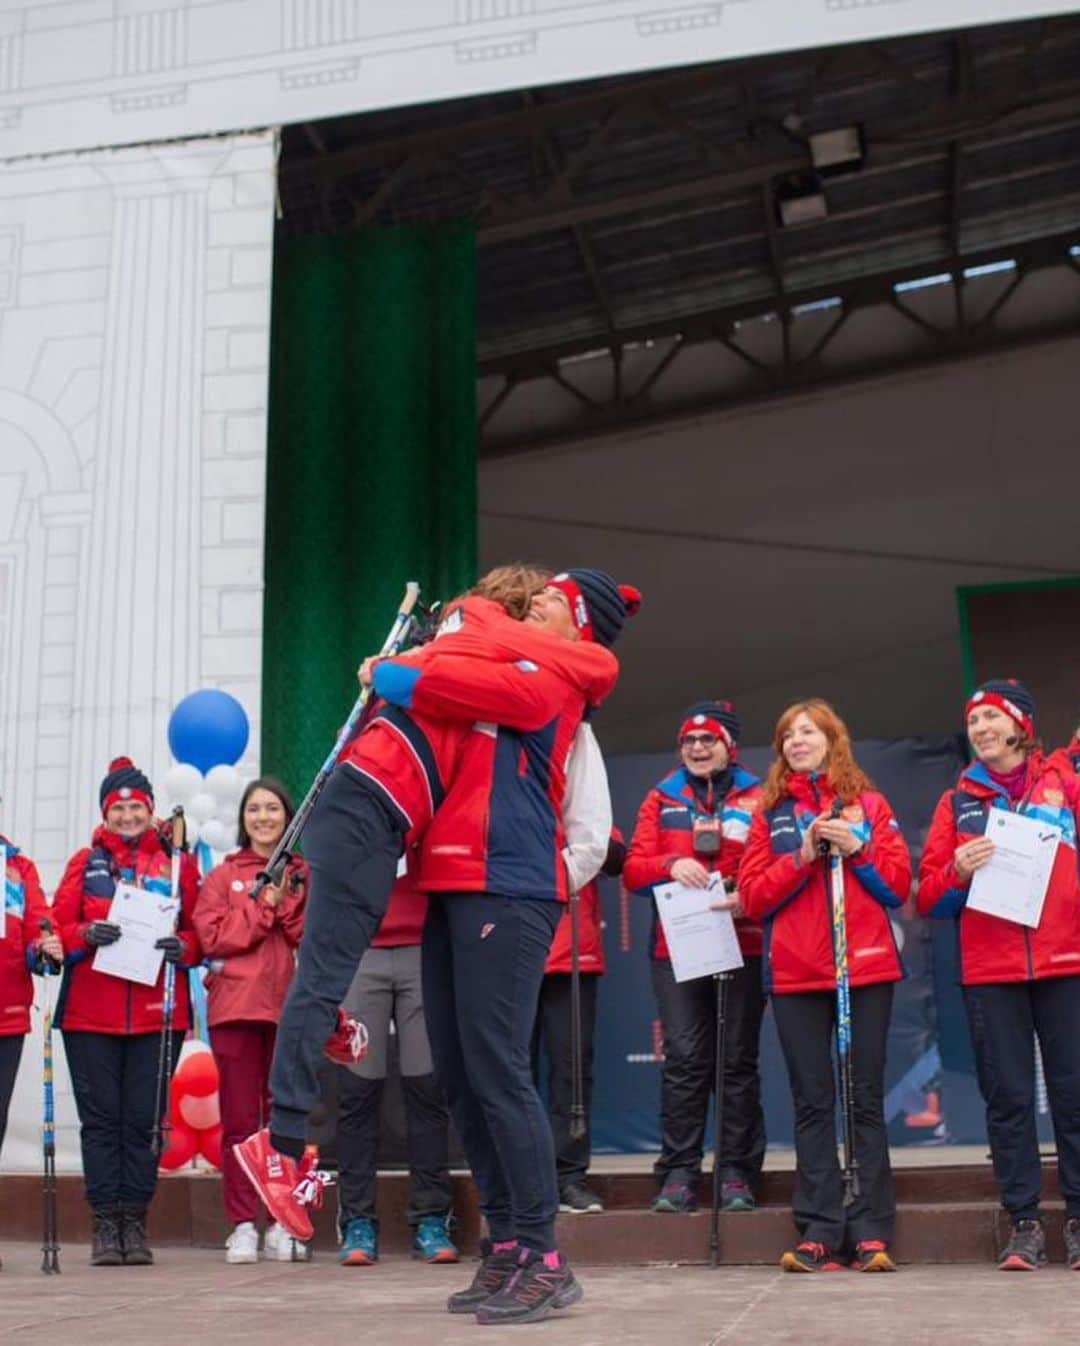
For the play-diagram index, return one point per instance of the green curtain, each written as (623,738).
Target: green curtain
(371,473)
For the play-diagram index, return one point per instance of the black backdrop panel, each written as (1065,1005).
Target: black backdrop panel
(928,1029)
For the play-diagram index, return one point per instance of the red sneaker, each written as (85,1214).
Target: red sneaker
(348,1043)
(284,1187)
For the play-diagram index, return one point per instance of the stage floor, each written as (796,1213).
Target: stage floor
(780,1158)
(192,1296)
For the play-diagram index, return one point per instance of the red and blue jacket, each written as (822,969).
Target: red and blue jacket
(794,901)
(499,829)
(992,949)
(95,1002)
(664,833)
(485,667)
(25,909)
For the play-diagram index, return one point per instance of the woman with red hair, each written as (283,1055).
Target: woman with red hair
(817,799)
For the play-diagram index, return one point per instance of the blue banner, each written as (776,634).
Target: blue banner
(930,1079)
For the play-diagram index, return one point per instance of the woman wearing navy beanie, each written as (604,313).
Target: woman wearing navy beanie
(691,825)
(1019,982)
(112,1026)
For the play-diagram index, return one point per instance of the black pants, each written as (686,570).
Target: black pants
(114,1078)
(484,961)
(688,1018)
(10,1054)
(357,1145)
(352,844)
(553,1028)
(1004,1020)
(805,1022)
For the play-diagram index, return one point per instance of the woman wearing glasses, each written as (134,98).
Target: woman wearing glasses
(694,824)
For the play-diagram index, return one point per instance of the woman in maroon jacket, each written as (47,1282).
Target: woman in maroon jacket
(251,946)
(694,824)
(26,938)
(112,1026)
(784,882)
(1019,982)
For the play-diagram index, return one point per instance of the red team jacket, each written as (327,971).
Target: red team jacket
(991,949)
(253,942)
(93,1001)
(409,751)
(25,908)
(499,828)
(664,833)
(794,902)
(590,924)
(403,924)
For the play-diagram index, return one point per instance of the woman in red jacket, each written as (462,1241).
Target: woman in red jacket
(693,824)
(784,882)
(26,939)
(112,1026)
(1019,982)
(251,947)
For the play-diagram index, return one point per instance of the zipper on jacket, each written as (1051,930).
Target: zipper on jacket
(1027,933)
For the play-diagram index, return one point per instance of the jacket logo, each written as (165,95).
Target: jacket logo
(1054,797)
(486,929)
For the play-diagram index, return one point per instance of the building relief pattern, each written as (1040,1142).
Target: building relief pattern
(78,74)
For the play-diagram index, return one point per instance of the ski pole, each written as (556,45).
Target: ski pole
(577,1064)
(162,1126)
(843,1016)
(719,1080)
(50,1241)
(290,838)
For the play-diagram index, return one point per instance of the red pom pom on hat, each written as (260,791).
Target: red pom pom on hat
(631,597)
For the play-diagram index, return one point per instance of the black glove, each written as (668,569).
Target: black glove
(172,948)
(100,933)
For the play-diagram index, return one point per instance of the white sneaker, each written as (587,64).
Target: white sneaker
(242,1245)
(280,1246)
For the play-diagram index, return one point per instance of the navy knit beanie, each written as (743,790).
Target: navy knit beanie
(598,606)
(1009,695)
(716,717)
(125,781)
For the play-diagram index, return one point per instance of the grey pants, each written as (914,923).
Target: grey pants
(385,996)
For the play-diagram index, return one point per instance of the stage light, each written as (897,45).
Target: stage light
(802,208)
(839,151)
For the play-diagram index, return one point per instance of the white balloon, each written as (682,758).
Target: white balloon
(182,782)
(192,830)
(202,806)
(225,783)
(219,836)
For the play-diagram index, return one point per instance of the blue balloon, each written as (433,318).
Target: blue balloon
(208,728)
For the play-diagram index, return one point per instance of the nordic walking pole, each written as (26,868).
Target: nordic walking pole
(843,1016)
(577,1063)
(719,1081)
(50,1241)
(162,1127)
(283,852)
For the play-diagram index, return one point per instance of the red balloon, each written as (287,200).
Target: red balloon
(197,1074)
(201,1114)
(210,1145)
(183,1146)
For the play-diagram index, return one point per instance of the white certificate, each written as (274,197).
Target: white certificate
(143,917)
(1012,884)
(701,942)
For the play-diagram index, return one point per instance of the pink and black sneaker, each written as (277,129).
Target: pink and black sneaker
(541,1283)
